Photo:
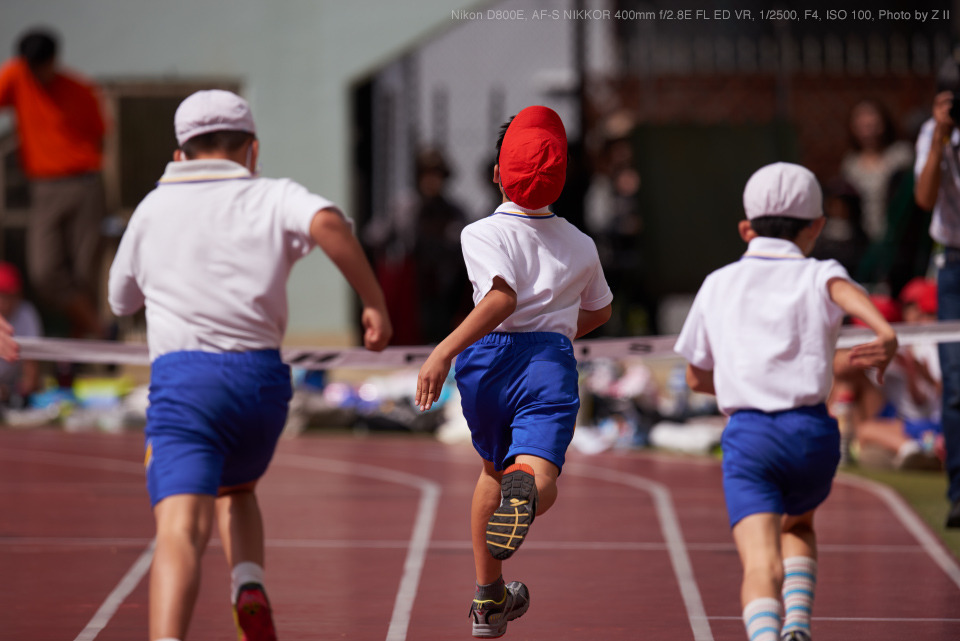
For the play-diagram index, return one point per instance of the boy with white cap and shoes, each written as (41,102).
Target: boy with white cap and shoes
(761,335)
(537,284)
(208,253)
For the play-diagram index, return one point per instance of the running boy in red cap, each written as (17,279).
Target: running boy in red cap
(208,253)
(761,335)
(537,284)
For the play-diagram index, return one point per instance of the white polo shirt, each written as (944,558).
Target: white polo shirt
(209,252)
(945,224)
(767,328)
(551,265)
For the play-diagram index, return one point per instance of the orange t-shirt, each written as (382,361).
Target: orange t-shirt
(60,125)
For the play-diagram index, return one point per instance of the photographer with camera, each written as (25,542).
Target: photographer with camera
(937,171)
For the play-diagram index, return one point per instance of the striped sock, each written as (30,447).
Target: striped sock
(799,584)
(762,619)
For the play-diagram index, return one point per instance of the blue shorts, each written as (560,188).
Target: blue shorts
(214,419)
(520,396)
(782,462)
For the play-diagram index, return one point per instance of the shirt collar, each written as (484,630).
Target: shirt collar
(775,248)
(513,209)
(204,170)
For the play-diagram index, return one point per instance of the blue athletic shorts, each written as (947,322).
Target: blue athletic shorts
(782,462)
(214,419)
(519,395)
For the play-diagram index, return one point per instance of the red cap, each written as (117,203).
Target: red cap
(533,158)
(10,282)
(921,292)
(888,307)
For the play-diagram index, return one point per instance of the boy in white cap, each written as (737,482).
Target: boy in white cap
(208,252)
(537,284)
(761,335)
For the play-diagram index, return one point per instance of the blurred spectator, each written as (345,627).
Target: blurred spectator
(843,238)
(61,129)
(418,260)
(875,156)
(612,217)
(937,172)
(898,422)
(18,379)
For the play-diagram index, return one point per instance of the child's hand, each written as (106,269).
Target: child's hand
(430,380)
(877,353)
(376,328)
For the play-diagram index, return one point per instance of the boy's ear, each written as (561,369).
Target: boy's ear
(496,173)
(178,155)
(746,231)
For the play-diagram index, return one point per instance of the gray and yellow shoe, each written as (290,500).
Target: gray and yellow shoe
(510,523)
(489,617)
(795,635)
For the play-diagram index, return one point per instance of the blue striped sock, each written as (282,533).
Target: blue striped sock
(762,619)
(799,585)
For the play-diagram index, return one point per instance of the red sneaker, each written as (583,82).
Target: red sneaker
(253,614)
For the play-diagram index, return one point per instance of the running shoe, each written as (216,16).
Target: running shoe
(490,617)
(510,523)
(252,614)
(795,635)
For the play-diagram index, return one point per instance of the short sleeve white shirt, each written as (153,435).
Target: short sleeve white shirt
(767,328)
(551,265)
(945,224)
(209,252)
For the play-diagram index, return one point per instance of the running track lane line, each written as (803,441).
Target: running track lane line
(672,535)
(911,522)
(140,567)
(419,537)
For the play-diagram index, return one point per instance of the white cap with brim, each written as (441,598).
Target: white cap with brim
(212,110)
(783,189)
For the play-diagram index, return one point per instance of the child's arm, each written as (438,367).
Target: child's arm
(589,320)
(700,380)
(335,237)
(878,352)
(495,307)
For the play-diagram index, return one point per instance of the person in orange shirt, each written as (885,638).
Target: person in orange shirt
(61,130)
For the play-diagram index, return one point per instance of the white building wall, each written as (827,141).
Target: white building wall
(296,60)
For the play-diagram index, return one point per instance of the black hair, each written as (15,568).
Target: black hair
(216,141)
(889,135)
(783,227)
(503,132)
(38,47)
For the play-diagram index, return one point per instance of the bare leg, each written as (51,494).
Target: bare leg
(241,525)
(545,476)
(758,541)
(486,499)
(184,522)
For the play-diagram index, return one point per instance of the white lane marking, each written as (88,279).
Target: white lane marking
(385,544)
(911,522)
(113,601)
(419,541)
(139,568)
(672,535)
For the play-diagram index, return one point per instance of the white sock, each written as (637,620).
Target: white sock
(762,619)
(243,573)
(799,585)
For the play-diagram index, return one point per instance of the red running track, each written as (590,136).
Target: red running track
(368,539)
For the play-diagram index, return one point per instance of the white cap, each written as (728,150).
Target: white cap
(212,110)
(783,189)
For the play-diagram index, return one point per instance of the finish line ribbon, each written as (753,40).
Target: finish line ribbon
(90,351)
